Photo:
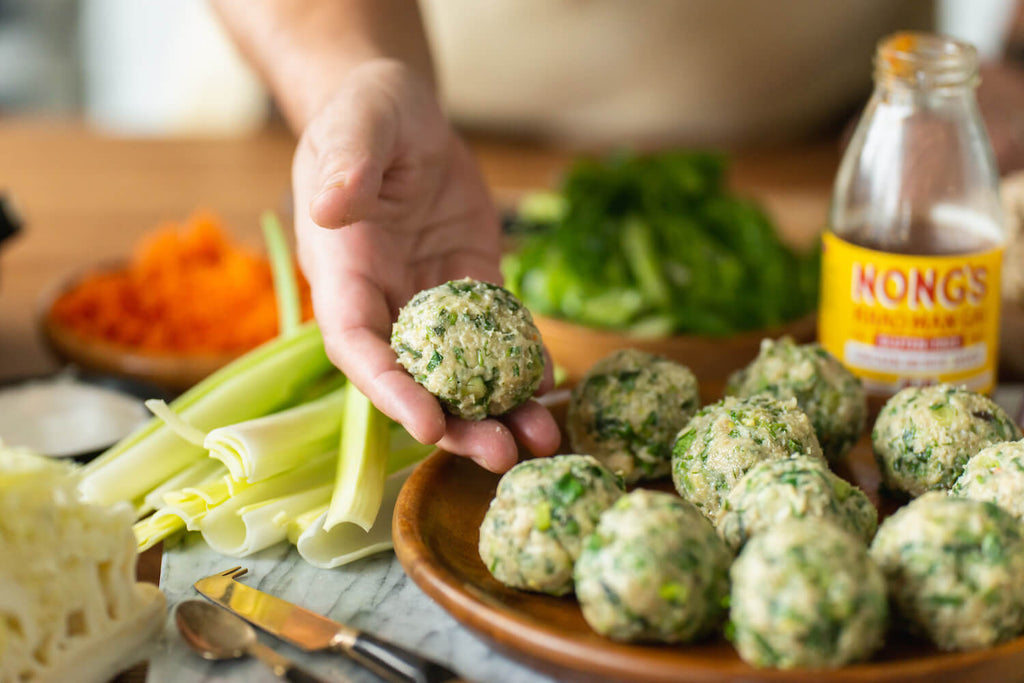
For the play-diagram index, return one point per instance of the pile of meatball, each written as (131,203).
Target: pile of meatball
(763,541)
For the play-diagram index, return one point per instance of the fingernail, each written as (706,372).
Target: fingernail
(327,190)
(320,207)
(336,180)
(482,461)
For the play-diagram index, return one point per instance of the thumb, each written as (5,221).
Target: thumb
(353,139)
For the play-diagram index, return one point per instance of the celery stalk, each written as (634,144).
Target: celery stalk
(261,381)
(289,308)
(262,447)
(348,542)
(362,463)
(405,451)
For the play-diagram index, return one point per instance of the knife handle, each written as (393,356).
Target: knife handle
(281,665)
(397,664)
(296,675)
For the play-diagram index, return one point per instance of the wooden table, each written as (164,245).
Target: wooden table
(86,198)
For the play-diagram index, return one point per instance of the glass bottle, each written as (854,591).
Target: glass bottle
(911,265)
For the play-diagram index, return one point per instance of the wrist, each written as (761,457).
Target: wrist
(306,48)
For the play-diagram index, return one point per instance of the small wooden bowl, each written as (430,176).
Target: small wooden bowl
(576,348)
(172,373)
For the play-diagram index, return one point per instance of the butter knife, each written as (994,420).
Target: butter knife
(313,632)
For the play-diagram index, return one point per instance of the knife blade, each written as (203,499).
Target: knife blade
(313,632)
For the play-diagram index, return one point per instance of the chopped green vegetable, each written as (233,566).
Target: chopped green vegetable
(656,245)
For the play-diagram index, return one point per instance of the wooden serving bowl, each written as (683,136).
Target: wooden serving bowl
(576,348)
(172,373)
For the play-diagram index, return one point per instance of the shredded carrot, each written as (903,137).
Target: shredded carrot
(187,288)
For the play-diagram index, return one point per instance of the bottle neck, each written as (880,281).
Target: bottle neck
(898,94)
(910,62)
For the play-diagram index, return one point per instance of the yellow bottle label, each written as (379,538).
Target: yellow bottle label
(896,320)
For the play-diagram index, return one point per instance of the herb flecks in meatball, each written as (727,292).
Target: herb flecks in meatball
(627,411)
(473,345)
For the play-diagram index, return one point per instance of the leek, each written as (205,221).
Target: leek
(260,448)
(178,425)
(349,542)
(279,424)
(188,506)
(362,463)
(154,529)
(405,452)
(224,527)
(259,382)
(197,472)
(194,501)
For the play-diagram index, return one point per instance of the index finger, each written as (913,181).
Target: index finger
(354,320)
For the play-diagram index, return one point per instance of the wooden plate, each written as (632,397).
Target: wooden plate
(436,526)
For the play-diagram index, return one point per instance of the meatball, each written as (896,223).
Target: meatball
(805,593)
(533,530)
(653,570)
(995,474)
(627,411)
(473,345)
(831,395)
(924,436)
(797,487)
(954,569)
(727,438)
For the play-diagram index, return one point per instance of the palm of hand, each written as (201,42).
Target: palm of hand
(416,213)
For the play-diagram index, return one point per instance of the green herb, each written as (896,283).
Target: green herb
(656,244)
(568,489)
(684,441)
(434,361)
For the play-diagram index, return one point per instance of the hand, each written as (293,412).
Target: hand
(389,202)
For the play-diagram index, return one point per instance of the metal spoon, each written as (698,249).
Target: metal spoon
(216,634)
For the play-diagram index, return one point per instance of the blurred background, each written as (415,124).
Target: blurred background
(152,68)
(165,67)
